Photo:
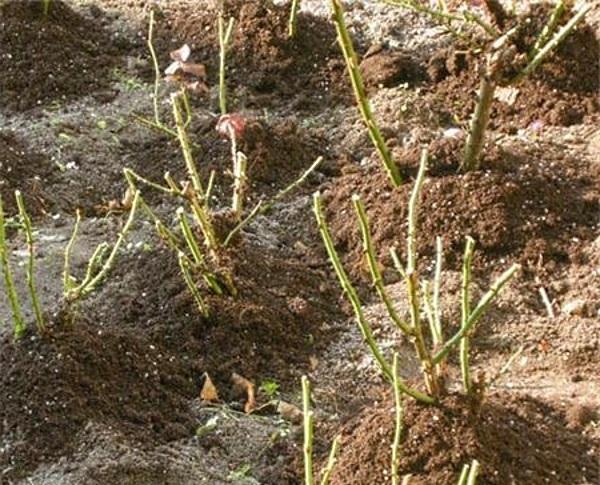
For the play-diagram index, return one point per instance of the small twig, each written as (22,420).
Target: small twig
(549,28)
(547,302)
(438,334)
(477,313)
(189,237)
(154,125)
(464,474)
(68,281)
(30,273)
(331,460)
(242,223)
(345,42)
(551,44)
(376,276)
(506,367)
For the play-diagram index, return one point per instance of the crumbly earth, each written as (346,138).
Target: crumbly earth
(111,393)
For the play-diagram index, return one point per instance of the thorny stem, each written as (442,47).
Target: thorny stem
(465,312)
(292,23)
(88,286)
(263,207)
(68,281)
(377,278)
(549,28)
(189,237)
(187,276)
(15,305)
(479,123)
(412,280)
(224,39)
(477,313)
(308,432)
(399,414)
(345,42)
(26,220)
(438,335)
(552,44)
(184,141)
(352,295)
(156,69)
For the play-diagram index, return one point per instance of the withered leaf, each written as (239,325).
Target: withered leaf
(209,391)
(194,69)
(248,387)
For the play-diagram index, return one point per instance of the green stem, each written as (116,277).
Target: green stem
(15,305)
(549,28)
(331,460)
(292,23)
(473,473)
(187,276)
(87,287)
(477,313)
(26,220)
(156,69)
(224,39)
(437,281)
(68,281)
(552,44)
(399,413)
(479,123)
(345,42)
(465,312)
(464,474)
(377,278)
(189,237)
(352,295)
(308,432)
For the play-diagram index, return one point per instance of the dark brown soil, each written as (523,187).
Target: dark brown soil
(55,59)
(524,207)
(515,439)
(28,172)
(52,387)
(562,91)
(265,67)
(381,67)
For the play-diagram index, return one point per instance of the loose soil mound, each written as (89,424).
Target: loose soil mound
(280,306)
(524,208)
(58,58)
(52,387)
(562,91)
(515,439)
(305,72)
(25,171)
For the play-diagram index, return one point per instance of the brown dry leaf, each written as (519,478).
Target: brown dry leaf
(289,412)
(209,391)
(197,87)
(194,69)
(248,387)
(127,199)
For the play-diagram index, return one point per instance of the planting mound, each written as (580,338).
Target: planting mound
(52,59)
(522,208)
(562,91)
(515,439)
(263,63)
(280,306)
(25,171)
(51,388)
